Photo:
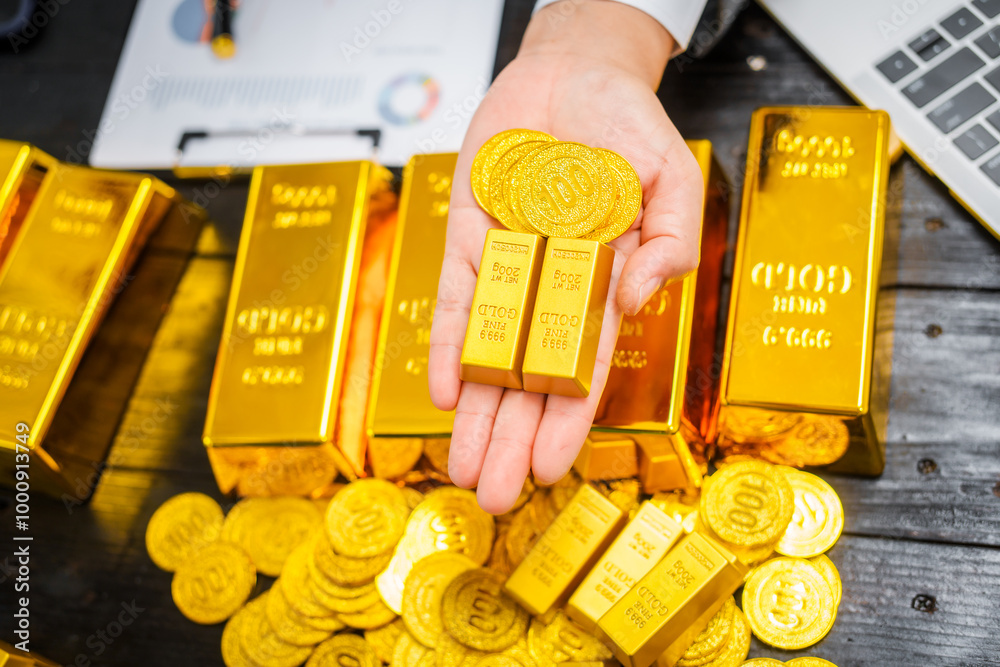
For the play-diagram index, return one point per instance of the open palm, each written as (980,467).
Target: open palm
(500,433)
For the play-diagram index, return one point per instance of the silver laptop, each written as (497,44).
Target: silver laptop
(934,65)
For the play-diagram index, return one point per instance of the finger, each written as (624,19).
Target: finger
(670,233)
(508,458)
(474,416)
(567,421)
(467,227)
(451,317)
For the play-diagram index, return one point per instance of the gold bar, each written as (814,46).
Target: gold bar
(505,294)
(607,456)
(569,311)
(665,463)
(799,385)
(281,359)
(642,543)
(400,407)
(69,270)
(661,384)
(695,575)
(22,170)
(565,552)
(351,435)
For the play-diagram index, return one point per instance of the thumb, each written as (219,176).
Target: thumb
(670,231)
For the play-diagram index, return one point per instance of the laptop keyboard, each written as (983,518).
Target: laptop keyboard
(951,73)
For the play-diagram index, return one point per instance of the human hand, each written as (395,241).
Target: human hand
(587,72)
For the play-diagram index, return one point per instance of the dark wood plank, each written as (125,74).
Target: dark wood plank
(946,365)
(877,622)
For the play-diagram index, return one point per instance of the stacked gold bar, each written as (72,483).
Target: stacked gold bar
(67,287)
(538,307)
(803,382)
(281,363)
(401,418)
(659,405)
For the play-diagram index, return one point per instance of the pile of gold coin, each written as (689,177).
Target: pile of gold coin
(758,510)
(384,574)
(531,182)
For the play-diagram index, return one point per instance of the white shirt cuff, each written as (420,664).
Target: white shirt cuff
(679,17)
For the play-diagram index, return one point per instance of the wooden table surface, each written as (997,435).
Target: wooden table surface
(920,555)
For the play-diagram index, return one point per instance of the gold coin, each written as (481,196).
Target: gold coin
(737,645)
(498,558)
(232,652)
(408,651)
(289,624)
(515,656)
(423,591)
(452,653)
(680,506)
(788,603)
(269,528)
(500,179)
(375,615)
(181,526)
(449,519)
(809,662)
(366,518)
(749,556)
(476,611)
(749,503)
(413,497)
(763,662)
(742,424)
(628,204)
(213,583)
(297,587)
(344,570)
(567,190)
(712,638)
(490,153)
(818,518)
(344,650)
(816,440)
(384,639)
(830,573)
(261,643)
(562,640)
(327,623)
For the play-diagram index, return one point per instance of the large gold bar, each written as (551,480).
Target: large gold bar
(803,382)
(569,312)
(501,307)
(642,543)
(662,388)
(400,407)
(279,371)
(22,170)
(69,287)
(565,552)
(694,577)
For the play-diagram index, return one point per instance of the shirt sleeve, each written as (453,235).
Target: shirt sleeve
(679,17)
